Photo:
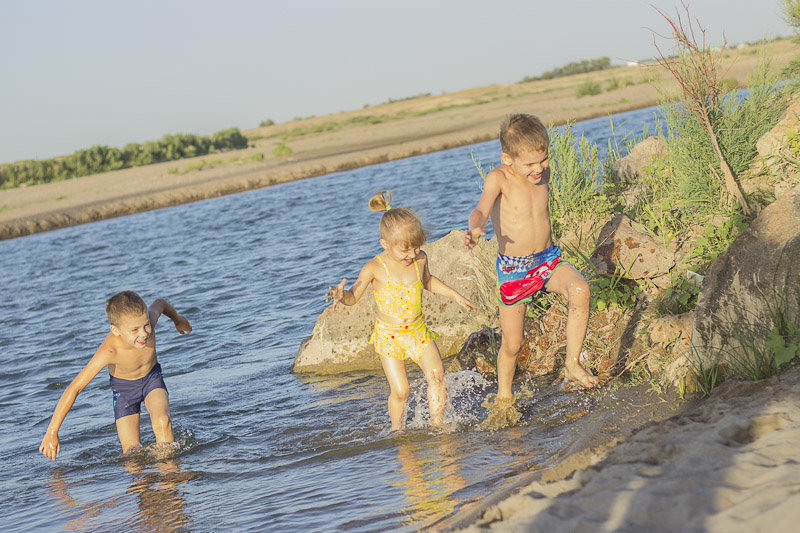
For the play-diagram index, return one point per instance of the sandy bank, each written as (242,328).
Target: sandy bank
(727,463)
(341,142)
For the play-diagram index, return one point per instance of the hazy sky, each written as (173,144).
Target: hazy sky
(79,73)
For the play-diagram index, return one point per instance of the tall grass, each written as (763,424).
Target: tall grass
(577,175)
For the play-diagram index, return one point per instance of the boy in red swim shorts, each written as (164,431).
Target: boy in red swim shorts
(515,196)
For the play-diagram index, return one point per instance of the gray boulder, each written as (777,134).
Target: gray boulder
(776,169)
(757,277)
(624,250)
(629,168)
(340,339)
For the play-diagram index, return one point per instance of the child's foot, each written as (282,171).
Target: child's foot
(575,372)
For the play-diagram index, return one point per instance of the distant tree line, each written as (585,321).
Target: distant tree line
(576,67)
(102,158)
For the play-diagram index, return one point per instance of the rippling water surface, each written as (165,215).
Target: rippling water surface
(258,447)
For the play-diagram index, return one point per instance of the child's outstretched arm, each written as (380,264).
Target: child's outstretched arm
(51,445)
(480,215)
(162,307)
(350,296)
(437,286)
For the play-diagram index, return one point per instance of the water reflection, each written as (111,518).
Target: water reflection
(82,513)
(431,478)
(161,506)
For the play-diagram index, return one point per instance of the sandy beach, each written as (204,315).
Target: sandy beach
(347,140)
(725,463)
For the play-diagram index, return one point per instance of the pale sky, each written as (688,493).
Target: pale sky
(84,72)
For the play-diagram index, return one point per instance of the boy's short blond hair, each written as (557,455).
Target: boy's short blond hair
(520,132)
(125,303)
(399,225)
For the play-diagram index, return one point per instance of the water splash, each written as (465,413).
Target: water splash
(465,390)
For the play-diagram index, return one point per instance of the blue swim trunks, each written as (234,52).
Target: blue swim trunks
(129,394)
(520,277)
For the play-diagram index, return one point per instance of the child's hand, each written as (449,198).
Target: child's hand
(335,293)
(50,446)
(466,304)
(182,325)
(471,238)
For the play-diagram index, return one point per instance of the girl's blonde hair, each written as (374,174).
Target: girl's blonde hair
(399,225)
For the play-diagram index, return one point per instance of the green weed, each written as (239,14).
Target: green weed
(608,292)
(197,165)
(715,240)
(588,88)
(680,297)
(481,171)
(758,350)
(281,150)
(705,376)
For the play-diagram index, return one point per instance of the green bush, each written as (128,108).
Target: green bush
(576,67)
(588,88)
(281,150)
(101,158)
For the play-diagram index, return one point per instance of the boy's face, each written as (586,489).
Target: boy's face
(530,165)
(133,330)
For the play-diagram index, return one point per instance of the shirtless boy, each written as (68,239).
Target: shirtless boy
(515,195)
(129,352)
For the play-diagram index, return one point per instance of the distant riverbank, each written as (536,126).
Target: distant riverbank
(343,141)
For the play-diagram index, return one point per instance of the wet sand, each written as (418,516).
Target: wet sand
(345,141)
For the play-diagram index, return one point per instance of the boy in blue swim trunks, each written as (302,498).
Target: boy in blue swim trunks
(129,352)
(515,196)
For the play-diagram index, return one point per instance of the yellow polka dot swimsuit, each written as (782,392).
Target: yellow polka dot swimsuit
(402,301)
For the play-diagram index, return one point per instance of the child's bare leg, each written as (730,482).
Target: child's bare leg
(431,364)
(395,371)
(128,432)
(157,403)
(569,283)
(511,322)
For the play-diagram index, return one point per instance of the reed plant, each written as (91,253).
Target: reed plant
(577,177)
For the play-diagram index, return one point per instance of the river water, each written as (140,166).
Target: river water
(259,448)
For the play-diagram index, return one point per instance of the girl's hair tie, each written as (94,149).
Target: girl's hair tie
(387,207)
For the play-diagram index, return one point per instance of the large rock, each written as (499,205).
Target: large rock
(629,168)
(340,339)
(624,250)
(755,278)
(776,167)
(545,342)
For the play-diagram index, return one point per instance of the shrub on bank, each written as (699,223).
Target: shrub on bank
(102,158)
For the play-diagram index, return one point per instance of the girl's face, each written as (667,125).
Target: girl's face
(402,253)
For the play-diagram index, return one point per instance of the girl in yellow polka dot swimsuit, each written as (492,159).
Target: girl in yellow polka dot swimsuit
(398,276)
